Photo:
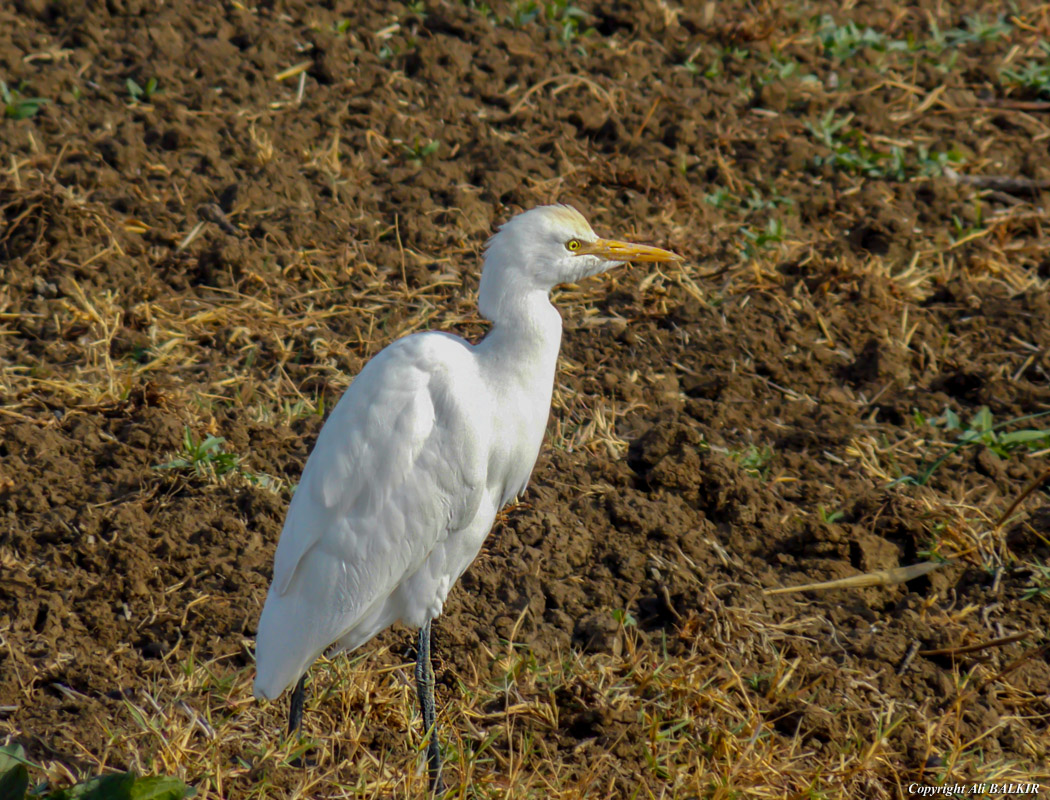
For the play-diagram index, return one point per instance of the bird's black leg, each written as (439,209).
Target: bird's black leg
(295,715)
(425,688)
(295,709)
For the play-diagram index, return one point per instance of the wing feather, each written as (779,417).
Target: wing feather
(400,463)
(395,452)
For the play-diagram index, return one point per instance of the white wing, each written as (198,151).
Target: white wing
(399,465)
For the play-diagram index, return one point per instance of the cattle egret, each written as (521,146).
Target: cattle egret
(432,438)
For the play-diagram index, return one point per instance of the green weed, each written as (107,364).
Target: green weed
(962,231)
(1039,583)
(845,40)
(720,198)
(982,431)
(568,19)
(779,69)
(755,461)
(756,200)
(564,16)
(205,458)
(713,70)
(17,106)
(828,516)
(139,93)
(1034,77)
(931,164)
(756,239)
(419,152)
(977,29)
(14,783)
(849,151)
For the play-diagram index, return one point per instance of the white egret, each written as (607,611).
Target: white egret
(432,438)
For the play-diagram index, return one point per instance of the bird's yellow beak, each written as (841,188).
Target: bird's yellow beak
(612,250)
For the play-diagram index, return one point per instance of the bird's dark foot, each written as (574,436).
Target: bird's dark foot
(437,783)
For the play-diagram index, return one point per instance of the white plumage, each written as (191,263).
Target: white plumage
(431,439)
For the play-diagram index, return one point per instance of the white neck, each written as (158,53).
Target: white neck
(524,339)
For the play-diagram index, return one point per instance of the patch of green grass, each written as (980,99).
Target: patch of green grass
(756,200)
(983,431)
(1039,582)
(829,516)
(844,40)
(850,151)
(419,151)
(139,93)
(1033,77)
(977,29)
(716,68)
(757,239)
(568,19)
(848,147)
(721,198)
(207,458)
(931,163)
(17,105)
(782,69)
(962,230)
(755,461)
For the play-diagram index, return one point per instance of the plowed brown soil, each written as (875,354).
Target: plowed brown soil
(294,185)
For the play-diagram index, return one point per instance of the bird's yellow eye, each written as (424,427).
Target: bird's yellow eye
(573,245)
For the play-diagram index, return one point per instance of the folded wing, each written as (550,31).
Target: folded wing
(399,465)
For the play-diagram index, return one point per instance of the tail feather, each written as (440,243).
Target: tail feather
(285,646)
(295,629)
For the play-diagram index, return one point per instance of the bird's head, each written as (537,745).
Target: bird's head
(549,245)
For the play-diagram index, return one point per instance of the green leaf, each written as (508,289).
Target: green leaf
(14,777)
(104,787)
(12,754)
(982,420)
(212,443)
(160,787)
(14,782)
(26,107)
(1023,437)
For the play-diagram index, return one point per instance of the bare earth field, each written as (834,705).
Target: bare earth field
(222,210)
